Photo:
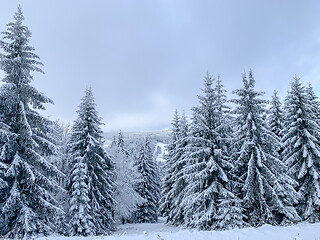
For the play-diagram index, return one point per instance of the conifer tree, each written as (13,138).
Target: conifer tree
(176,193)
(207,168)
(149,186)
(28,207)
(257,162)
(166,201)
(81,221)
(301,148)
(223,119)
(92,208)
(120,144)
(314,100)
(275,119)
(229,207)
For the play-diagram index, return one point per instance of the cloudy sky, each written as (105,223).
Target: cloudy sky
(145,58)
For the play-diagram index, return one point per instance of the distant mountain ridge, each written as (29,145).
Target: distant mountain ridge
(162,136)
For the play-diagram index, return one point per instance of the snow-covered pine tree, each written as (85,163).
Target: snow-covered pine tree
(222,111)
(207,170)
(229,208)
(126,179)
(275,118)
(166,200)
(176,213)
(301,149)
(257,163)
(314,100)
(28,207)
(92,208)
(121,145)
(224,129)
(149,186)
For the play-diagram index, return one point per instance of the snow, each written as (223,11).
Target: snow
(159,155)
(161,231)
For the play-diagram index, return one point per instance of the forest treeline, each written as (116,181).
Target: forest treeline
(252,164)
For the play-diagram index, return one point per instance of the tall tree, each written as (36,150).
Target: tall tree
(149,186)
(207,168)
(257,162)
(176,193)
(229,207)
(94,206)
(28,207)
(166,199)
(302,148)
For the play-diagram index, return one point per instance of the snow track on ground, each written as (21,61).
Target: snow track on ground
(161,231)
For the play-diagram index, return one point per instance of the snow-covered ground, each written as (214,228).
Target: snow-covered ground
(161,231)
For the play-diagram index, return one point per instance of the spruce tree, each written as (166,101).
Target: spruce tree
(275,118)
(120,144)
(176,193)
(223,118)
(92,208)
(301,148)
(166,201)
(207,170)
(28,207)
(257,163)
(314,101)
(149,186)
(81,221)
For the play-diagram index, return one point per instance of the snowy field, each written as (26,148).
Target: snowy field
(161,231)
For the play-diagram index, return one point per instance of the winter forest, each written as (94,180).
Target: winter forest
(236,163)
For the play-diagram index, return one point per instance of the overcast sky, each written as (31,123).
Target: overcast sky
(145,58)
